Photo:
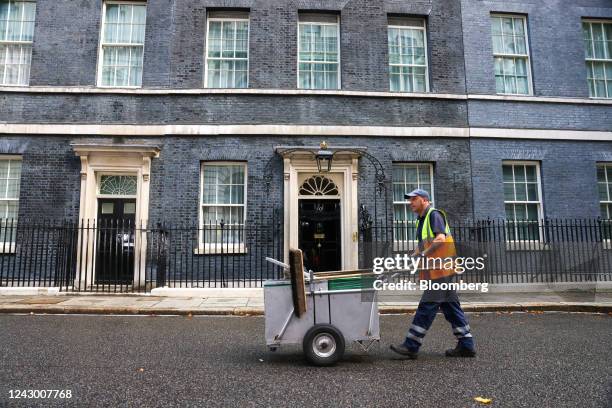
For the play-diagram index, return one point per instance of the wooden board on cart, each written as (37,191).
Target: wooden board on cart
(298,290)
(339,280)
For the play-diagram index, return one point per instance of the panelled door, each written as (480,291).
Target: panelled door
(115,238)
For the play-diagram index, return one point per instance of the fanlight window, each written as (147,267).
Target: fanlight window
(118,185)
(319,186)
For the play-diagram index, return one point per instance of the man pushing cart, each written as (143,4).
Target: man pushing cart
(327,310)
(434,240)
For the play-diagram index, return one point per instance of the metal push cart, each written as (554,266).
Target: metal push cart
(322,311)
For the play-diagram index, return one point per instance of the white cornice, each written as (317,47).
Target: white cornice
(297,130)
(546,134)
(298,92)
(213,91)
(212,130)
(540,99)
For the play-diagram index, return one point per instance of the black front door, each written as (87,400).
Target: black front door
(115,235)
(319,234)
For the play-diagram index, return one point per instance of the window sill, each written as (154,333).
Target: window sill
(218,250)
(118,87)
(410,92)
(7,248)
(513,94)
(320,89)
(527,246)
(220,88)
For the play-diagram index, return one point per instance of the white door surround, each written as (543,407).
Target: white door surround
(300,165)
(98,159)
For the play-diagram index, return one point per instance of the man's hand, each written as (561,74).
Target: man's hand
(440,238)
(437,241)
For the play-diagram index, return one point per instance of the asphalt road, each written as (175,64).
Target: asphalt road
(524,360)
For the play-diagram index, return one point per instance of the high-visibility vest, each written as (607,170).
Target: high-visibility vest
(439,259)
(426,232)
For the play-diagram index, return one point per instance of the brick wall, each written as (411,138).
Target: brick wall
(568,174)
(67,37)
(50,182)
(231,109)
(555,41)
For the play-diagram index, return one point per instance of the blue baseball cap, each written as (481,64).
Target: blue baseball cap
(418,192)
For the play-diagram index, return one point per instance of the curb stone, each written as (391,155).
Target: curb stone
(258,311)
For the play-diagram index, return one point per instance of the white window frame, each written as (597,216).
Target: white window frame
(216,248)
(409,245)
(101,43)
(424,29)
(518,244)
(339,74)
(8,247)
(25,43)
(526,56)
(593,59)
(608,183)
(248,58)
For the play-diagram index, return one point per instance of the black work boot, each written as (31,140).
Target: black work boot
(460,351)
(404,351)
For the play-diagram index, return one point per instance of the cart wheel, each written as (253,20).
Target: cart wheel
(323,345)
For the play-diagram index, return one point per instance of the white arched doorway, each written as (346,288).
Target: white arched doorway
(335,190)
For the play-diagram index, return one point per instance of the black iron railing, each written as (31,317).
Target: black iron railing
(123,256)
(545,251)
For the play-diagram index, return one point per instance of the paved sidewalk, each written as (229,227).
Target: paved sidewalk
(570,301)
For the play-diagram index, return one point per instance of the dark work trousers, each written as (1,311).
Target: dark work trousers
(431,301)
